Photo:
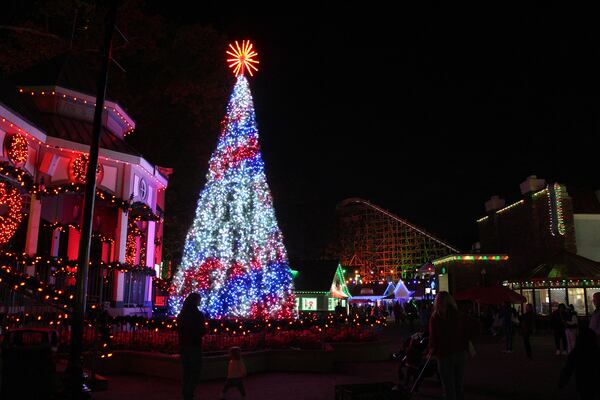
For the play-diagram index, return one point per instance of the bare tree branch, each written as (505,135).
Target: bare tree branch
(19,29)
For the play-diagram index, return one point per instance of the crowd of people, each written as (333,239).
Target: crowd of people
(401,313)
(450,334)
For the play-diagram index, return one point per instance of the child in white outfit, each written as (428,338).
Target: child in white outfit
(236,371)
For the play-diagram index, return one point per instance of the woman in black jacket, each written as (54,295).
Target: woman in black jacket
(191,327)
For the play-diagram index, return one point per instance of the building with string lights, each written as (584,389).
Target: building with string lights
(545,245)
(45,134)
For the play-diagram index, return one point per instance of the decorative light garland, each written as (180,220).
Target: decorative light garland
(131,249)
(17,149)
(22,177)
(78,169)
(555,209)
(63,265)
(161,185)
(470,257)
(140,210)
(482,219)
(11,199)
(75,99)
(510,206)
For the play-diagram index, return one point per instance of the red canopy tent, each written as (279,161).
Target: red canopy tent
(491,295)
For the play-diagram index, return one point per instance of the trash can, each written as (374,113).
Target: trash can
(28,369)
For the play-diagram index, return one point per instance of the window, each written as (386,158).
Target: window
(331,303)
(542,301)
(577,300)
(143,189)
(558,296)
(309,304)
(297,304)
(528,294)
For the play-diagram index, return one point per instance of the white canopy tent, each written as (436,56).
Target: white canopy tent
(401,292)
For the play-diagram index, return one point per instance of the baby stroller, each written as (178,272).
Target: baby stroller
(415,364)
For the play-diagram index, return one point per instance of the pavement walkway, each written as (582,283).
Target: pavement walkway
(490,375)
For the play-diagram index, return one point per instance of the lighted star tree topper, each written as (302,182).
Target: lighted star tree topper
(234,254)
(243,58)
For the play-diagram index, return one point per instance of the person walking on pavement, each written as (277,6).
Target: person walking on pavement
(557,321)
(509,316)
(450,332)
(527,324)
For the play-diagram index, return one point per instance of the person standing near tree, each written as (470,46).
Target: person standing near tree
(450,332)
(527,322)
(191,328)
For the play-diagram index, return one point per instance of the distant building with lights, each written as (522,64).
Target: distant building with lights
(45,133)
(551,240)
(319,286)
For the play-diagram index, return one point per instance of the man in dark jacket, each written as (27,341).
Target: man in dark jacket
(191,327)
(557,321)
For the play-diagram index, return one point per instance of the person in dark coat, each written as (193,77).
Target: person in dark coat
(583,362)
(557,321)
(397,312)
(191,328)
(450,332)
(508,324)
(527,324)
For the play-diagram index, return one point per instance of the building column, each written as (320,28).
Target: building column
(73,244)
(150,237)
(33,226)
(120,247)
(150,260)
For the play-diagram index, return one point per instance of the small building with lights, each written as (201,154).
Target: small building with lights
(45,134)
(459,272)
(319,286)
(552,238)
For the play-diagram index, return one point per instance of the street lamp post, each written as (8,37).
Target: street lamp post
(77,386)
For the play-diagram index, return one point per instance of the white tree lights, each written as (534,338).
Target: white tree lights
(234,254)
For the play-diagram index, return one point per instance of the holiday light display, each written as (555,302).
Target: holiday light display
(11,200)
(555,210)
(78,169)
(243,58)
(234,254)
(17,149)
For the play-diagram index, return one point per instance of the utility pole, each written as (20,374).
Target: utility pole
(78,389)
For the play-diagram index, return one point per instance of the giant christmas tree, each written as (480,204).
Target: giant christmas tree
(234,254)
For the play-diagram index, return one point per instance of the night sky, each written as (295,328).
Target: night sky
(425,112)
